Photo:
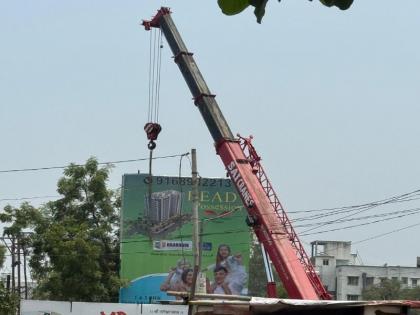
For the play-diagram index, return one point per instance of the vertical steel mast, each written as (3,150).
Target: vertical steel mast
(265,212)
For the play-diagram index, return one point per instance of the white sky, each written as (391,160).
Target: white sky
(331,97)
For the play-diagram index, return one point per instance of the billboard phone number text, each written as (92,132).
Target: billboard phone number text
(187,181)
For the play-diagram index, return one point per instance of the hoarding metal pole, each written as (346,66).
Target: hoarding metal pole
(196,243)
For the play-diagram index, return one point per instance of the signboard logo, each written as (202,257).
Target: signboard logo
(240,184)
(172,245)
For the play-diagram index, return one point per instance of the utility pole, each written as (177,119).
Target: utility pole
(12,252)
(18,266)
(24,271)
(195,232)
(8,283)
(8,277)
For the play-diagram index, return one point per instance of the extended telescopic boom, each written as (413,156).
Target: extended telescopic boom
(265,212)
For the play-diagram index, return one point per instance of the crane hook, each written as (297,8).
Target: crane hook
(152,131)
(151,145)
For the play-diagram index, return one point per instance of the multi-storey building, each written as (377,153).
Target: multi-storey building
(346,280)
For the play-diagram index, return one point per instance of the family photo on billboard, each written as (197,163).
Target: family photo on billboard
(229,275)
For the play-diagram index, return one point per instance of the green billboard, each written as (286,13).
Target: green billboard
(156,237)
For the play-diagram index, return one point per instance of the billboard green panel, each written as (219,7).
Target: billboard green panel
(156,237)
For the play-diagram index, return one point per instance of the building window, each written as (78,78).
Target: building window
(383,279)
(352,297)
(369,281)
(325,262)
(414,282)
(394,278)
(353,280)
(404,280)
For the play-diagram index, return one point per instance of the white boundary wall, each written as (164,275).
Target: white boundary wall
(34,307)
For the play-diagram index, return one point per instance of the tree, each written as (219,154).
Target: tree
(390,290)
(75,245)
(258,278)
(18,219)
(21,219)
(412,294)
(232,7)
(8,300)
(386,290)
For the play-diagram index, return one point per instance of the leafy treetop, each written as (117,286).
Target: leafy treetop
(232,7)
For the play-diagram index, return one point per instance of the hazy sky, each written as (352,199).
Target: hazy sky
(331,97)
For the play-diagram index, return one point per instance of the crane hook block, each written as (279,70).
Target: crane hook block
(152,131)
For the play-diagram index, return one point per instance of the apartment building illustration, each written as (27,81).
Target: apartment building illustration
(162,206)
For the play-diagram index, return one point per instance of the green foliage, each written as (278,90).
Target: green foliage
(2,255)
(386,290)
(412,294)
(390,290)
(341,4)
(259,10)
(75,246)
(19,218)
(8,302)
(258,278)
(232,7)
(281,291)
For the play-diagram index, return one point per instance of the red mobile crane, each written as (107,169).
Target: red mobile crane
(266,215)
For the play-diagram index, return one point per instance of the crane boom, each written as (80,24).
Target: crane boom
(265,212)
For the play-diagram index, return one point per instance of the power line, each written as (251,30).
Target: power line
(346,210)
(323,224)
(28,198)
(387,233)
(359,209)
(239,230)
(356,225)
(100,163)
(398,198)
(338,221)
(364,207)
(333,211)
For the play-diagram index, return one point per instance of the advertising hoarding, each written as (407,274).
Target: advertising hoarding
(35,307)
(156,237)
